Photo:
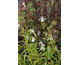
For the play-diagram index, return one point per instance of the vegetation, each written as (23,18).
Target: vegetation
(39,32)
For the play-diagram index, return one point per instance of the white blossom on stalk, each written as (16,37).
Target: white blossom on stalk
(41,43)
(33,39)
(42,46)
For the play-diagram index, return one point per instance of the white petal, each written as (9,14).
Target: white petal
(43,44)
(39,42)
(41,19)
(42,48)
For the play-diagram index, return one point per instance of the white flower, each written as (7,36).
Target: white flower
(41,43)
(23,3)
(31,31)
(42,46)
(41,19)
(33,39)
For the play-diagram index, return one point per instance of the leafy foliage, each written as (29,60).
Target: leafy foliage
(44,47)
